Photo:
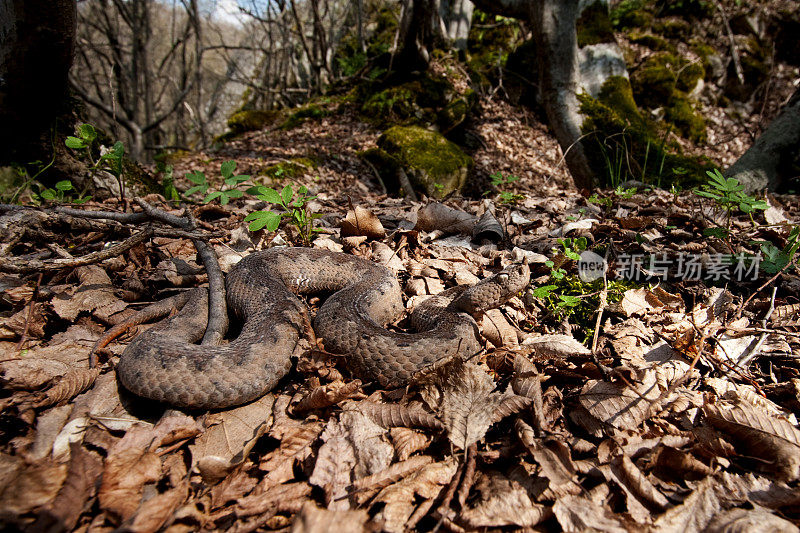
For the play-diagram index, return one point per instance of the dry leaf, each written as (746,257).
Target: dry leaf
(74,382)
(79,487)
(393,415)
(617,404)
(129,466)
(642,496)
(362,221)
(399,500)
(578,513)
(694,513)
(407,441)
(154,512)
(23,487)
(554,459)
(327,395)
(467,402)
(334,466)
(95,293)
(502,502)
(436,216)
(749,521)
(556,346)
(229,437)
(312,519)
(756,434)
(295,446)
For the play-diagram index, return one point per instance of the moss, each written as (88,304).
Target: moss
(251,120)
(755,70)
(594,25)
(654,81)
(294,168)
(689,75)
(705,52)
(699,9)
(631,14)
(434,165)
(653,42)
(303,113)
(413,102)
(673,28)
(623,144)
(491,39)
(682,114)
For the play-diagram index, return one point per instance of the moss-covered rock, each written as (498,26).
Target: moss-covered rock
(654,81)
(433,164)
(660,75)
(673,28)
(311,110)
(251,120)
(623,144)
(652,41)
(289,170)
(414,102)
(594,25)
(681,113)
(456,112)
(631,14)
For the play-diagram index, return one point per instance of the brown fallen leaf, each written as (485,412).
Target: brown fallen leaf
(129,466)
(361,221)
(553,457)
(641,496)
(398,501)
(618,404)
(756,520)
(502,502)
(695,512)
(394,415)
(327,395)
(578,513)
(464,395)
(436,216)
(229,437)
(74,382)
(95,293)
(407,441)
(334,465)
(24,487)
(773,440)
(295,447)
(80,486)
(312,519)
(156,511)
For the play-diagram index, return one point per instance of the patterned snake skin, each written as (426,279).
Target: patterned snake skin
(163,363)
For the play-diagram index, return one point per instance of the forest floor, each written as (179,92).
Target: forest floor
(663,396)
(666,401)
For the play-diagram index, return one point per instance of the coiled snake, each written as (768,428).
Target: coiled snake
(163,363)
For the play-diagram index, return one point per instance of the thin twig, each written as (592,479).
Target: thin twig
(36,265)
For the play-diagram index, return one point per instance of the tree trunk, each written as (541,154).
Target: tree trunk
(553,24)
(420,32)
(457,18)
(36,46)
(762,165)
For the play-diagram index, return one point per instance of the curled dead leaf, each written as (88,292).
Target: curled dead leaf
(361,221)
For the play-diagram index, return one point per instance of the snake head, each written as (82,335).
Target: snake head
(495,291)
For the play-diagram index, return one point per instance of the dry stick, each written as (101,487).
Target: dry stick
(737,65)
(217,309)
(24,267)
(469,475)
(761,288)
(29,315)
(743,361)
(125,218)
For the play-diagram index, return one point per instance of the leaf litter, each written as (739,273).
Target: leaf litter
(682,418)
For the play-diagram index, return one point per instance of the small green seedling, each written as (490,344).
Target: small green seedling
(111,159)
(505,197)
(225,195)
(295,209)
(59,194)
(729,195)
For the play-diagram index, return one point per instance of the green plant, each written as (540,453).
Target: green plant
(59,194)
(295,209)
(505,197)
(110,160)
(168,183)
(774,259)
(231,181)
(729,195)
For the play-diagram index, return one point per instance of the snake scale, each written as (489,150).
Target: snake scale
(164,364)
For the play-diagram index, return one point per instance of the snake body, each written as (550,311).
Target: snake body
(164,364)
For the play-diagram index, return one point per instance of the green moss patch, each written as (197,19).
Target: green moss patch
(631,14)
(594,25)
(251,120)
(303,113)
(289,170)
(433,164)
(624,144)
(653,42)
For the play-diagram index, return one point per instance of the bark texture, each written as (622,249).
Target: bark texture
(36,47)
(762,165)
